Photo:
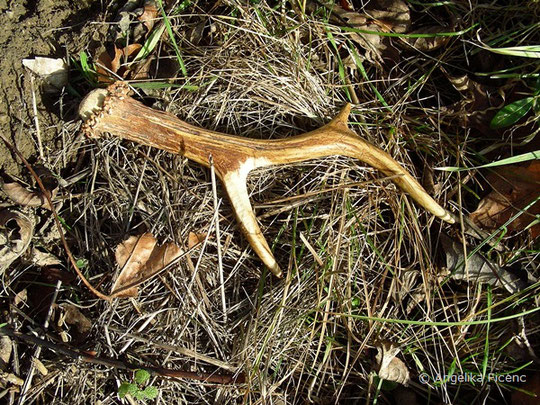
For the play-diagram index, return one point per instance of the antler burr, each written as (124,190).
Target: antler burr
(113,111)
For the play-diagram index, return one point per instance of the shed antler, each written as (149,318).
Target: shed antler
(113,111)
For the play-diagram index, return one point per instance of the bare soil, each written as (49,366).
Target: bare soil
(52,28)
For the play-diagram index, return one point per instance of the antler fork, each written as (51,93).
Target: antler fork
(113,111)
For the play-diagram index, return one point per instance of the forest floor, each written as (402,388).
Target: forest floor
(380,303)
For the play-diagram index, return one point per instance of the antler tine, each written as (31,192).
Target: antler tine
(113,111)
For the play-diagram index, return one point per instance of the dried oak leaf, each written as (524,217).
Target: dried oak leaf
(195,238)
(72,316)
(376,16)
(514,187)
(480,270)
(16,231)
(140,258)
(17,193)
(149,14)
(107,65)
(390,367)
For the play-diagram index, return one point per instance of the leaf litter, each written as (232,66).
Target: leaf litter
(20,195)
(513,188)
(389,366)
(477,269)
(16,232)
(139,258)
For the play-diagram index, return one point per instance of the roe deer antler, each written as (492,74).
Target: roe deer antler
(113,111)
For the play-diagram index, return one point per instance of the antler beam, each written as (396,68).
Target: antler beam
(113,111)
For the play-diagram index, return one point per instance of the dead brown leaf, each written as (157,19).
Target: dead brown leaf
(195,238)
(17,193)
(514,187)
(392,15)
(427,44)
(5,351)
(149,14)
(16,231)
(43,259)
(140,258)
(377,16)
(73,317)
(390,367)
(20,297)
(108,65)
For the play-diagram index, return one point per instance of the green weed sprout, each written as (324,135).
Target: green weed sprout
(136,389)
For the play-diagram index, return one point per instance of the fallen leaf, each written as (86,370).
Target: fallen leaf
(20,297)
(17,193)
(427,44)
(390,367)
(393,15)
(5,351)
(53,71)
(149,14)
(514,187)
(479,269)
(140,258)
(109,66)
(195,238)
(41,258)
(131,256)
(376,16)
(74,317)
(16,231)
(346,5)
(20,195)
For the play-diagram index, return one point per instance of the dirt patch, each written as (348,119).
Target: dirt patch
(33,28)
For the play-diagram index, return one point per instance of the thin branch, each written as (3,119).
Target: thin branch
(47,195)
(121,364)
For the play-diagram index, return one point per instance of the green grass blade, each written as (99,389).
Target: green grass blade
(173,39)
(360,67)
(508,161)
(151,43)
(396,35)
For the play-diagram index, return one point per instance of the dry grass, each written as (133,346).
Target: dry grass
(350,243)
